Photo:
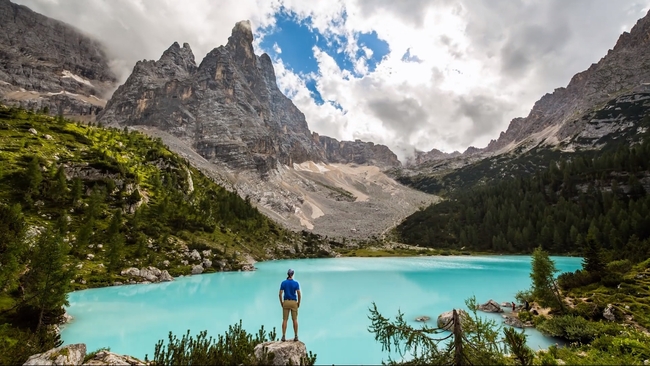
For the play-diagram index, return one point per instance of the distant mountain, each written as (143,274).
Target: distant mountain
(604,104)
(421,157)
(356,152)
(557,117)
(45,63)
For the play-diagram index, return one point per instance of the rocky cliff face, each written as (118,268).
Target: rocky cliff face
(47,63)
(557,116)
(229,108)
(356,152)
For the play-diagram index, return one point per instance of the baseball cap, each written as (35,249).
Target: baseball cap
(290,272)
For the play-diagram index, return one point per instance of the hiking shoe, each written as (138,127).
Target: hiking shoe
(295,339)
(283,340)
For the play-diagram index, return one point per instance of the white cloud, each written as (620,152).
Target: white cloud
(478,63)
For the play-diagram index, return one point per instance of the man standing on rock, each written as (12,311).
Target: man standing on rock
(290,302)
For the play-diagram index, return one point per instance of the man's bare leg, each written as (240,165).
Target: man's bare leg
(284,327)
(295,328)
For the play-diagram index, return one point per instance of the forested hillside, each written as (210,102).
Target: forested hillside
(79,204)
(601,200)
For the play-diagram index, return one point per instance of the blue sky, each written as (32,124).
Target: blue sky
(292,40)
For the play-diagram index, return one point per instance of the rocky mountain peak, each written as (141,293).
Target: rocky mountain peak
(240,43)
(638,37)
(228,109)
(181,60)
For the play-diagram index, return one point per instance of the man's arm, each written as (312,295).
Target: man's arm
(299,297)
(280,296)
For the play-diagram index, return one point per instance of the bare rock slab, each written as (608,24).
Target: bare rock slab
(281,353)
(72,354)
(110,358)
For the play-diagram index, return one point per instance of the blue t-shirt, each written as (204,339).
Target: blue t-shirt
(290,287)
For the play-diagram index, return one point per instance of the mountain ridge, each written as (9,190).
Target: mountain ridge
(46,63)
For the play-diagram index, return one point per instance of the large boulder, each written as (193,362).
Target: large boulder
(281,353)
(109,358)
(490,307)
(72,354)
(445,319)
(165,276)
(197,269)
(133,272)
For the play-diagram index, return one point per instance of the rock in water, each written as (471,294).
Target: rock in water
(197,269)
(69,355)
(491,307)
(512,321)
(445,319)
(281,353)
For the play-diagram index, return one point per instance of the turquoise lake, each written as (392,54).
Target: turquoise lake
(337,293)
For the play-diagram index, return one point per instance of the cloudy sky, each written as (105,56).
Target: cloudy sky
(410,74)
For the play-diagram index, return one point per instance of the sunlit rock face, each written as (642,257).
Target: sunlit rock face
(47,63)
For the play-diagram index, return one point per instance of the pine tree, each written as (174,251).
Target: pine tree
(33,180)
(543,271)
(12,245)
(115,241)
(76,191)
(59,186)
(592,261)
(48,280)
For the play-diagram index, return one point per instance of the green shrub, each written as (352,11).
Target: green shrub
(235,347)
(579,278)
(621,266)
(525,316)
(588,310)
(577,329)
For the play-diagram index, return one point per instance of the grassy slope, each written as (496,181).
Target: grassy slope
(131,161)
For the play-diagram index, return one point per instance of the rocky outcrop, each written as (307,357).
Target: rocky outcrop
(147,275)
(229,108)
(490,307)
(110,358)
(281,353)
(556,116)
(47,63)
(72,354)
(197,269)
(356,152)
(75,354)
(445,320)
